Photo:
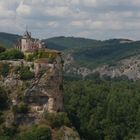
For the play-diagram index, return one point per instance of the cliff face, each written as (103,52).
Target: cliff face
(35,98)
(35,85)
(129,67)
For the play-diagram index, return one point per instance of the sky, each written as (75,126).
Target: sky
(96,19)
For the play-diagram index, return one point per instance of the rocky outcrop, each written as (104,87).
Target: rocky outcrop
(127,67)
(36,85)
(66,133)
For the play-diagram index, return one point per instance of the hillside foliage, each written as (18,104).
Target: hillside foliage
(11,54)
(104,110)
(86,52)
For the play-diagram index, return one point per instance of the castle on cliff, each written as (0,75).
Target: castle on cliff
(27,44)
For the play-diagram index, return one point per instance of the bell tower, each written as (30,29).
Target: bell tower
(26,41)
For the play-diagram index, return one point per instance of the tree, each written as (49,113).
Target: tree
(3,98)
(2,49)
(26,74)
(36,133)
(11,54)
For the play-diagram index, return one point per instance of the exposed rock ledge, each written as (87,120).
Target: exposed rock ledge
(42,92)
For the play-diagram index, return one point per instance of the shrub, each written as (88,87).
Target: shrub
(21,108)
(42,133)
(1,118)
(61,87)
(5,138)
(3,98)
(50,55)
(57,120)
(9,131)
(30,57)
(36,133)
(2,49)
(26,74)
(4,69)
(11,54)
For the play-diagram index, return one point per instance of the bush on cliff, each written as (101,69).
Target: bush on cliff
(11,54)
(21,108)
(4,69)
(57,120)
(36,133)
(26,74)
(51,56)
(2,49)
(3,98)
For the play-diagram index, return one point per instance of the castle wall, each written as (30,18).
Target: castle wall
(24,45)
(27,43)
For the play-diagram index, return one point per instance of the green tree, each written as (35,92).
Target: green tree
(105,110)
(2,49)
(26,74)
(3,98)
(36,133)
(4,69)
(11,54)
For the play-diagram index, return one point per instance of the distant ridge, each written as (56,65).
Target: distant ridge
(62,43)
(86,52)
(8,39)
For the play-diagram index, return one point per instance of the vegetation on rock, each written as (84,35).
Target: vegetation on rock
(3,98)
(2,49)
(57,120)
(26,74)
(42,54)
(36,133)
(4,69)
(20,108)
(11,54)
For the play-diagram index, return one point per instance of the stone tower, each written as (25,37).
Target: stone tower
(26,42)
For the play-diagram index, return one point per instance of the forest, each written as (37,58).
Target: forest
(104,109)
(98,108)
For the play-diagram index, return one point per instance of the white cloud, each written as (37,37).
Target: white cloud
(88,24)
(23,9)
(88,18)
(75,1)
(53,24)
(77,24)
(60,11)
(90,3)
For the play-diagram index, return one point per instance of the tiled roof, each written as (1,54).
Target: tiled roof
(27,35)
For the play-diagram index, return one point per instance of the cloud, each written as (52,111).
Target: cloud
(23,9)
(99,19)
(53,24)
(89,24)
(90,3)
(60,11)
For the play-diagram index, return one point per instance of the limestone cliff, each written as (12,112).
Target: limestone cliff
(35,95)
(37,84)
(129,67)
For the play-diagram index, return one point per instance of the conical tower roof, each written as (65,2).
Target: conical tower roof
(27,35)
